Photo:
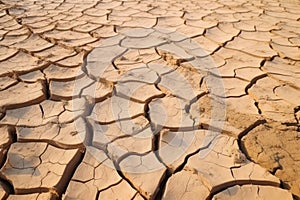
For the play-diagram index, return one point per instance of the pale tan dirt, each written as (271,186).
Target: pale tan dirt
(135,100)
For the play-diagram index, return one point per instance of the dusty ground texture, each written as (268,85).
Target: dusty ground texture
(149,99)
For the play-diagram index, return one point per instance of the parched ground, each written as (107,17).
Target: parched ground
(159,99)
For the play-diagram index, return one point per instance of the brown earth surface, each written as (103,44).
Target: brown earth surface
(150,99)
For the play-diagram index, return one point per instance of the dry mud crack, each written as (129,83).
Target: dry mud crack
(149,99)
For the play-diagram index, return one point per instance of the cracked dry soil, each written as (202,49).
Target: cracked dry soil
(102,99)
